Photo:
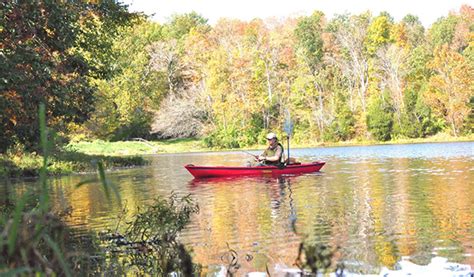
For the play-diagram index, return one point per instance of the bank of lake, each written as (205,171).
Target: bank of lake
(82,156)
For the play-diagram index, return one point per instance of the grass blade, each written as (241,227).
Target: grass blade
(103,180)
(44,197)
(54,246)
(107,185)
(15,272)
(17,217)
(85,182)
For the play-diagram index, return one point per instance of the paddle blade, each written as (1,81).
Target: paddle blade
(288,126)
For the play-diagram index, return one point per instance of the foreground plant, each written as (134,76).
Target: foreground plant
(149,244)
(32,238)
(315,258)
(36,241)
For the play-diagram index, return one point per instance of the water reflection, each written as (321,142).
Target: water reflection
(379,209)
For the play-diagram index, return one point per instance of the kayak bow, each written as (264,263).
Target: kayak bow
(224,171)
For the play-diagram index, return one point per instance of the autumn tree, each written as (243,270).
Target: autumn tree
(46,56)
(391,62)
(378,34)
(236,107)
(185,109)
(310,42)
(281,64)
(408,33)
(451,87)
(352,61)
(125,103)
(264,66)
(126,76)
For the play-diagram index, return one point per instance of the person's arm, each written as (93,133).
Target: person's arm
(263,156)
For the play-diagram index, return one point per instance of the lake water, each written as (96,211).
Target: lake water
(377,205)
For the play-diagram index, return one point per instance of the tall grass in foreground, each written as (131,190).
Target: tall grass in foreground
(32,237)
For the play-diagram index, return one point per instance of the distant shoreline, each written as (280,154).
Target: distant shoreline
(80,157)
(194,145)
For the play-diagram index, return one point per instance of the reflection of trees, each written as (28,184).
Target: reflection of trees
(88,205)
(423,226)
(441,209)
(452,210)
(376,210)
(400,205)
(252,218)
(384,208)
(391,210)
(359,219)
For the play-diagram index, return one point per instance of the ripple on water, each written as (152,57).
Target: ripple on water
(377,204)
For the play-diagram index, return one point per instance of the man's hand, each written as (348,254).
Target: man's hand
(261,158)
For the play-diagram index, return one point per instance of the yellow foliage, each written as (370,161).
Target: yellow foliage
(451,87)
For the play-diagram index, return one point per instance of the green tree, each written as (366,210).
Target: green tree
(443,30)
(309,34)
(180,25)
(377,45)
(469,54)
(417,121)
(469,127)
(125,102)
(343,126)
(380,117)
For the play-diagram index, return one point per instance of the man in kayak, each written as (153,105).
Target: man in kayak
(274,154)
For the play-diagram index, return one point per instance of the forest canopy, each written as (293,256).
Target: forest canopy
(104,72)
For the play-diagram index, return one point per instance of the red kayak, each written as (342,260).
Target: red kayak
(224,171)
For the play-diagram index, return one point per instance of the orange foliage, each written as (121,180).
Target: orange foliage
(451,86)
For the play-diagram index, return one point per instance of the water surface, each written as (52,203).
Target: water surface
(376,204)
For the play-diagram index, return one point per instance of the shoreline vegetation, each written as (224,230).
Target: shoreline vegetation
(17,165)
(83,156)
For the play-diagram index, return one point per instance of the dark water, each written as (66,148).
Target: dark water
(377,204)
